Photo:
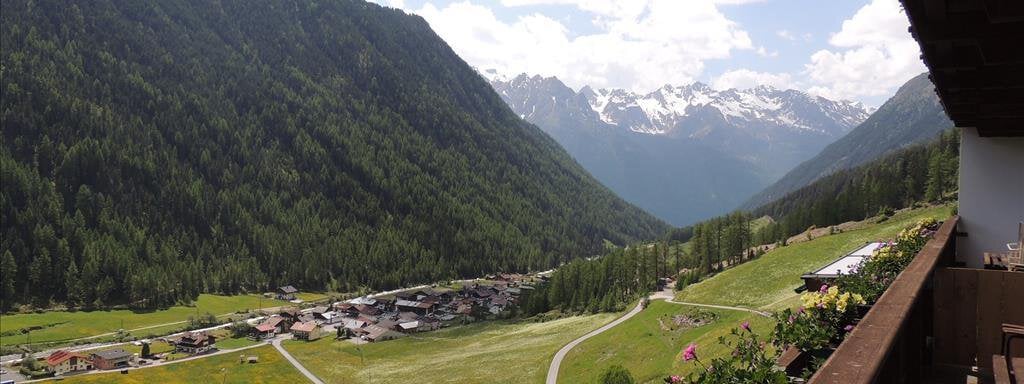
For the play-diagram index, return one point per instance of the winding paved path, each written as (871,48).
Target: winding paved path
(666,295)
(557,361)
(309,375)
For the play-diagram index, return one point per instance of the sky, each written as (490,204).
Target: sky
(856,50)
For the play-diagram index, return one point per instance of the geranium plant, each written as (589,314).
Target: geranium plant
(749,362)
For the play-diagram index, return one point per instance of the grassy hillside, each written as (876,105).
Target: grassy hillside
(271,368)
(62,325)
(775,275)
(491,352)
(647,345)
(651,352)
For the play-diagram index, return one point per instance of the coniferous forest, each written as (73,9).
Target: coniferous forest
(153,151)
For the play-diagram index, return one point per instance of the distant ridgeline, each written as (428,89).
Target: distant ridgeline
(921,173)
(155,150)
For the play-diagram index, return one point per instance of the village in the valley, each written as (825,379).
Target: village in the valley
(371,318)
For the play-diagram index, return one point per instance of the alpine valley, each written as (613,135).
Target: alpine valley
(683,153)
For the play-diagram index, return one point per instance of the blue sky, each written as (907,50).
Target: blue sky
(842,49)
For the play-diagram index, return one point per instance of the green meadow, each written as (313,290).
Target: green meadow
(486,352)
(649,345)
(60,326)
(772,278)
(271,368)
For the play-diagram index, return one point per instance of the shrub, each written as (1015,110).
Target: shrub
(616,374)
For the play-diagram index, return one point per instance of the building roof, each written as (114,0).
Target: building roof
(288,289)
(410,325)
(196,338)
(972,50)
(112,354)
(265,327)
(353,323)
(363,300)
(273,321)
(308,326)
(389,324)
(61,356)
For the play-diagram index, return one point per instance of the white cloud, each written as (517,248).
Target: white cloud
(874,54)
(785,34)
(745,78)
(640,45)
(761,51)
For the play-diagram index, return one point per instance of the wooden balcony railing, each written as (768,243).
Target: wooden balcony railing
(891,344)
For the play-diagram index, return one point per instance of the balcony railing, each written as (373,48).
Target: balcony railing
(935,323)
(891,342)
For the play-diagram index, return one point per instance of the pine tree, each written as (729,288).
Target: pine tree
(72,287)
(8,272)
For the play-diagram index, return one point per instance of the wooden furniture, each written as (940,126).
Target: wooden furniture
(1008,369)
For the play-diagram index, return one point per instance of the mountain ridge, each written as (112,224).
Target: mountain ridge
(632,142)
(913,115)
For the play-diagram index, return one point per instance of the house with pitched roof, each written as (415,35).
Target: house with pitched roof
(61,362)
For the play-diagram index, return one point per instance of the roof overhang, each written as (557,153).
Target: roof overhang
(974,50)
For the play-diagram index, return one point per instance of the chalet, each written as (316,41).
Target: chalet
(376,333)
(408,316)
(409,296)
(111,359)
(409,327)
(365,309)
(287,292)
(331,317)
(269,328)
(353,324)
(263,331)
(305,318)
(319,309)
(414,306)
(61,362)
(347,309)
(308,331)
(387,324)
(363,301)
(290,316)
(194,343)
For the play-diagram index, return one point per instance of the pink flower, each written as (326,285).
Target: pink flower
(690,353)
(823,289)
(800,310)
(675,379)
(792,319)
(848,328)
(745,326)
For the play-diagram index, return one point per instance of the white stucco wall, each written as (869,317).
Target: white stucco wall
(991,194)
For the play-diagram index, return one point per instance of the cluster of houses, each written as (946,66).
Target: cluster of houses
(369,319)
(62,362)
(392,316)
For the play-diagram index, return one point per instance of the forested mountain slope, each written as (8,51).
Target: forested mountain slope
(151,151)
(911,116)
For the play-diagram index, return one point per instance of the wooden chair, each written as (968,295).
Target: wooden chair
(1005,368)
(1014,260)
